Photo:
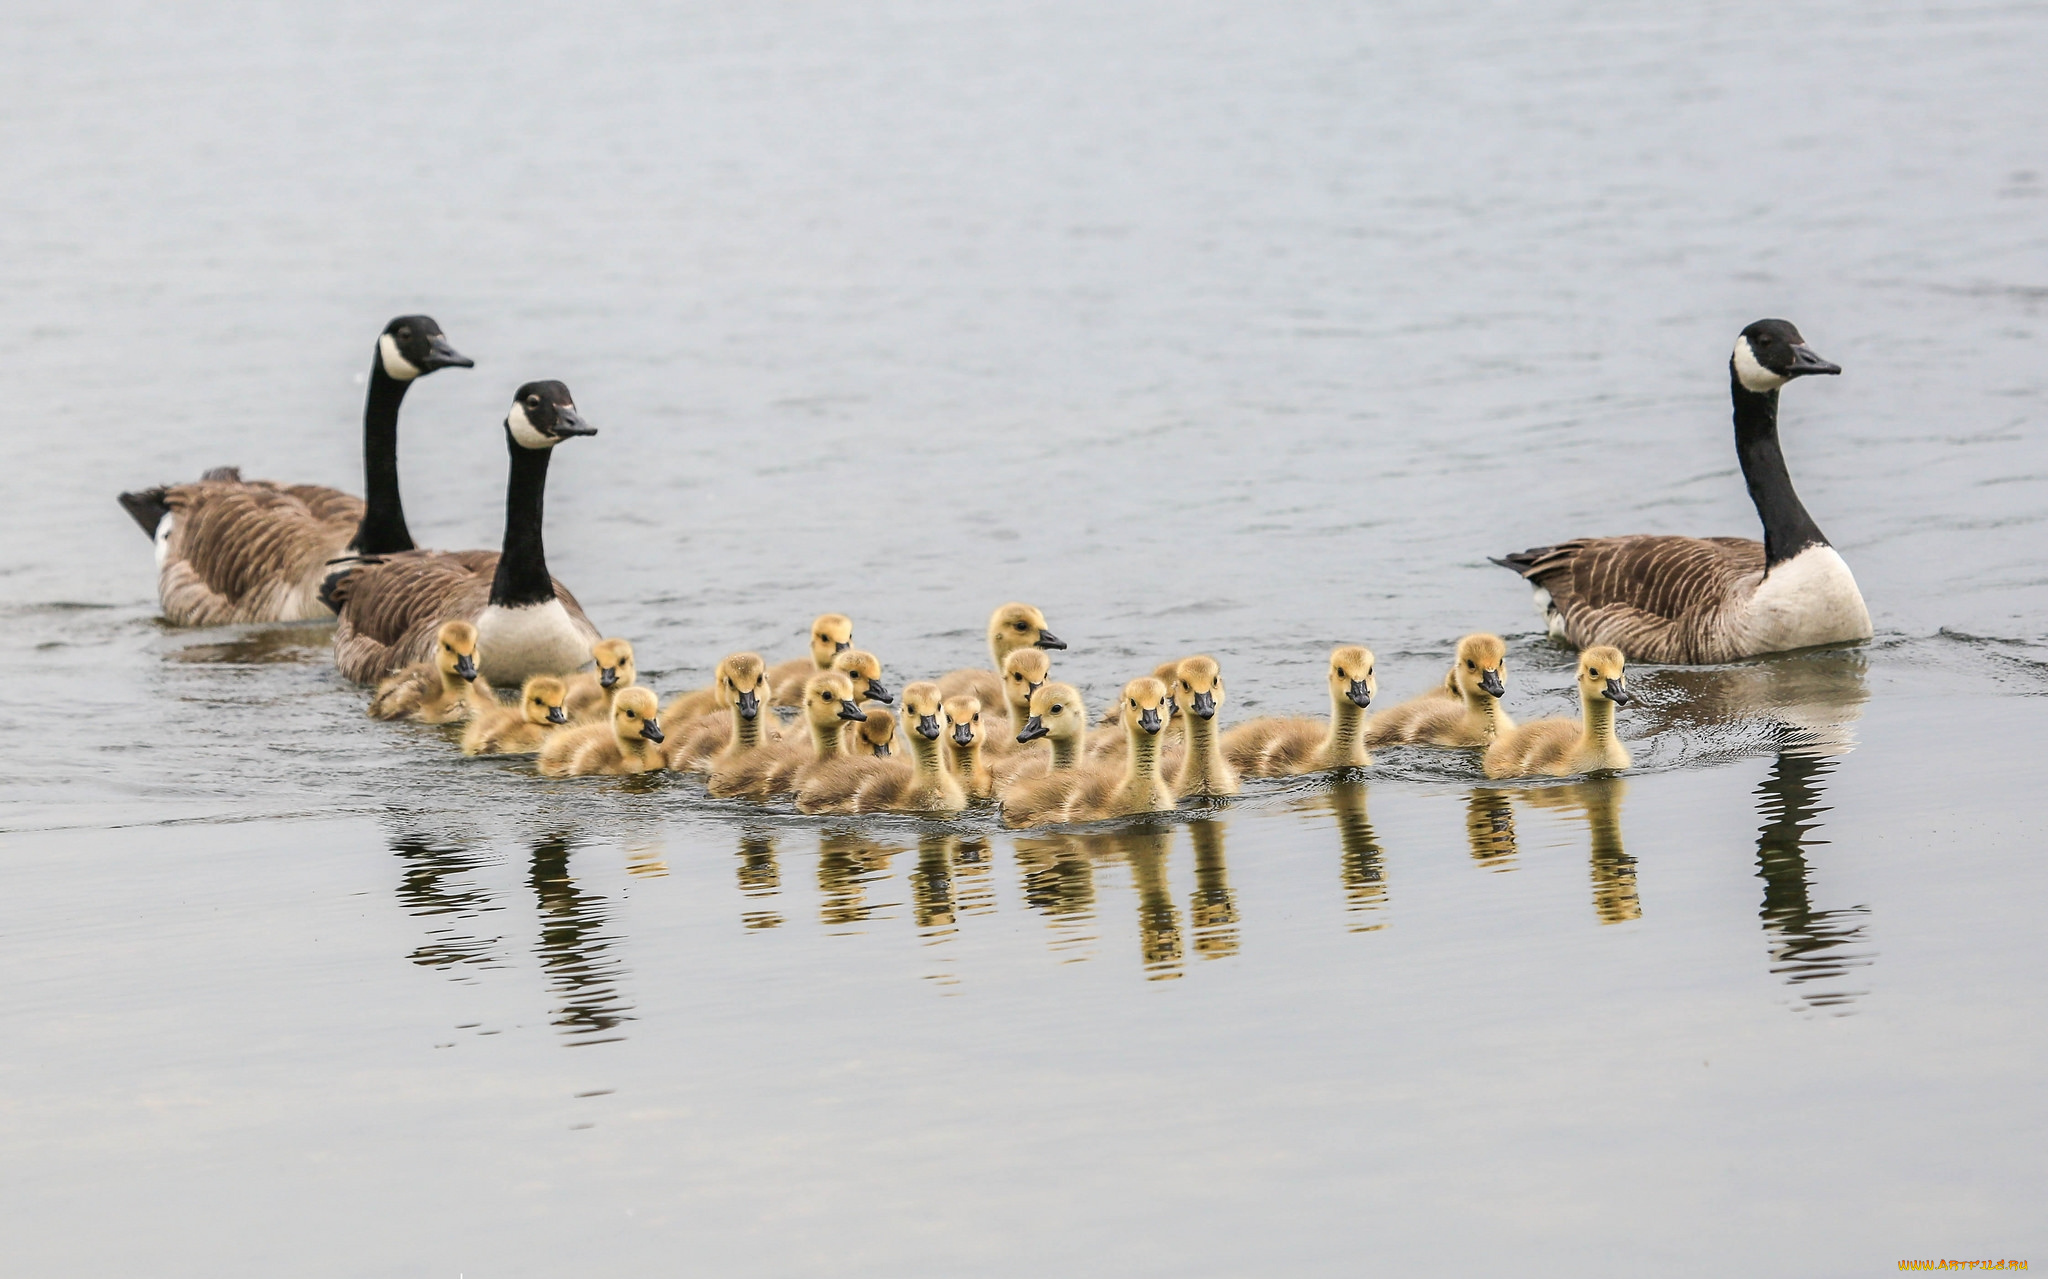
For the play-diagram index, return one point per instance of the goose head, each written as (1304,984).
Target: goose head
(1056,712)
(1481,667)
(923,709)
(1145,706)
(1024,672)
(875,735)
(455,654)
(963,721)
(1770,353)
(541,698)
(1351,676)
(742,681)
(1602,676)
(634,720)
(614,658)
(831,635)
(1198,686)
(413,346)
(828,697)
(543,415)
(1015,626)
(865,669)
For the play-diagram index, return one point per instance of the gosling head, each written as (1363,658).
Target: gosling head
(633,715)
(457,652)
(831,635)
(541,698)
(828,696)
(875,735)
(1601,675)
(614,658)
(1145,705)
(923,707)
(865,669)
(963,720)
(1024,672)
(413,346)
(543,415)
(1015,626)
(1481,667)
(742,679)
(1056,711)
(1198,686)
(1770,353)
(1351,675)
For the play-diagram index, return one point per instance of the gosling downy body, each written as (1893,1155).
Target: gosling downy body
(591,692)
(1105,788)
(964,737)
(1464,710)
(1058,716)
(783,765)
(1200,770)
(629,743)
(919,784)
(1011,627)
(743,723)
(1565,747)
(521,729)
(1025,671)
(439,693)
(1280,746)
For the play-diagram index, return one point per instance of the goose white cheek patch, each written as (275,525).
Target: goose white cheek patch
(395,365)
(1750,373)
(524,431)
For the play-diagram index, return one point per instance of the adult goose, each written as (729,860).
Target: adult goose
(527,623)
(1694,600)
(230,550)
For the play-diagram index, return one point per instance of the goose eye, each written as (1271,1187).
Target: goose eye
(1022,627)
(405,332)
(1471,666)
(1057,709)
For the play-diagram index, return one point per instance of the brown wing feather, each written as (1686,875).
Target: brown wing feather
(250,551)
(1657,599)
(392,608)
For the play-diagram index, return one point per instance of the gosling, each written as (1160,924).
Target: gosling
(1200,771)
(1285,746)
(831,635)
(963,741)
(521,729)
(741,682)
(630,743)
(1057,715)
(590,693)
(441,692)
(1105,789)
(786,763)
(1464,710)
(920,784)
(873,737)
(1025,671)
(1011,627)
(1563,747)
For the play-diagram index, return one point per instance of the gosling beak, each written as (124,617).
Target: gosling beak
(1205,705)
(1804,361)
(847,710)
(569,422)
(1489,682)
(607,676)
(881,750)
(1046,639)
(465,665)
(842,646)
(877,692)
(650,729)
(963,734)
(750,705)
(929,726)
(440,355)
(556,715)
(1034,728)
(1617,694)
(1148,719)
(1360,693)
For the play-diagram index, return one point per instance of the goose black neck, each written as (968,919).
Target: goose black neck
(1788,529)
(382,530)
(522,576)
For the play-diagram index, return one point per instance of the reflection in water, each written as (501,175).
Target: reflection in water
(847,863)
(974,860)
(1598,801)
(264,647)
(931,887)
(1364,864)
(1159,945)
(760,878)
(436,884)
(1059,880)
(1813,698)
(1807,945)
(574,949)
(1490,827)
(1213,912)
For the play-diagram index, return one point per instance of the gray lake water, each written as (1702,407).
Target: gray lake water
(1225,328)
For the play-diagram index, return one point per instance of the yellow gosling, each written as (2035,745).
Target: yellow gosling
(1025,671)
(1283,746)
(440,692)
(964,737)
(743,724)
(1011,627)
(521,729)
(920,784)
(1564,747)
(1200,770)
(782,765)
(1108,738)
(1059,716)
(629,743)
(590,692)
(831,635)
(1464,710)
(865,670)
(873,737)
(1107,788)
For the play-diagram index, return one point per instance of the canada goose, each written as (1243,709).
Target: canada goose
(527,623)
(1693,600)
(629,743)
(786,763)
(1563,747)
(1276,746)
(1057,715)
(920,784)
(1106,788)
(1464,710)
(1011,627)
(831,635)
(1201,769)
(745,725)
(230,550)
(964,737)
(591,692)
(521,729)
(439,692)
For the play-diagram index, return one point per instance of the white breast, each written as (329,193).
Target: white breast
(533,639)
(1809,599)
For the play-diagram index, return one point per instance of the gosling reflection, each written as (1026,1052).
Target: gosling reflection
(1059,882)
(760,879)
(1212,915)
(1159,943)
(1597,801)
(931,887)
(1490,827)
(1363,861)
(437,882)
(1807,946)
(847,863)
(575,949)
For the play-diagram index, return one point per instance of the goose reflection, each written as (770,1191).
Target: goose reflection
(1361,860)
(575,950)
(1490,827)
(951,879)
(847,863)
(1597,801)
(1159,941)
(1812,699)
(438,882)
(1059,882)
(1212,915)
(760,879)
(1807,946)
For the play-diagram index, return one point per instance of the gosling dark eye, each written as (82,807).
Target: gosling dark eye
(1022,627)
(1057,709)
(1471,666)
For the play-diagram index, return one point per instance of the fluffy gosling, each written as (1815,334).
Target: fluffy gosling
(1200,770)
(920,784)
(1057,715)
(590,692)
(831,635)
(521,729)
(784,764)
(1464,710)
(629,743)
(438,692)
(1011,627)
(1285,746)
(964,737)
(1107,788)
(745,724)
(1564,747)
